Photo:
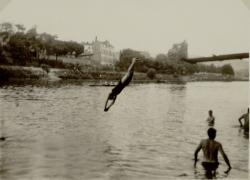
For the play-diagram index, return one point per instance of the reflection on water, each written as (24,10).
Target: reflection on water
(61,131)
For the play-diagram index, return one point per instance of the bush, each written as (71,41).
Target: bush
(2,57)
(7,73)
(4,74)
(151,73)
(227,69)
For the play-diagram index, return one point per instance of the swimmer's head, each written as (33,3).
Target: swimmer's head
(210,112)
(211,132)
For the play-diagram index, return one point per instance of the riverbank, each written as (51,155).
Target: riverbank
(14,73)
(21,72)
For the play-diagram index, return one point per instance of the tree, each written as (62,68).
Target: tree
(151,73)
(48,41)
(74,48)
(20,27)
(126,56)
(6,27)
(6,31)
(59,48)
(34,42)
(161,57)
(227,69)
(5,36)
(2,58)
(18,46)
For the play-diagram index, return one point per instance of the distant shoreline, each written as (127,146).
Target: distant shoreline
(106,78)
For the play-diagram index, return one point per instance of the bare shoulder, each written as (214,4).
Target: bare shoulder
(218,144)
(203,141)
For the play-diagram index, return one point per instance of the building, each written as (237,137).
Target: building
(178,51)
(103,52)
(88,48)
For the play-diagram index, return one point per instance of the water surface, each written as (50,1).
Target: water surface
(62,132)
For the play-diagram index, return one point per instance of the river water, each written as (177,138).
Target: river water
(60,131)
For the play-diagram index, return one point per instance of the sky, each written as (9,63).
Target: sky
(209,26)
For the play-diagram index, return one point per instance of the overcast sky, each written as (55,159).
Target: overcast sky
(209,26)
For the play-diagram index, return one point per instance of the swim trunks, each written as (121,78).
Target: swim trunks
(210,166)
(120,86)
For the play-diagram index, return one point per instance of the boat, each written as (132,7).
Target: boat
(104,84)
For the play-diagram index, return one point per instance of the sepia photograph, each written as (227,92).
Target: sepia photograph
(124,89)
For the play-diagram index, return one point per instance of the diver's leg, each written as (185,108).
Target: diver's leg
(106,103)
(111,104)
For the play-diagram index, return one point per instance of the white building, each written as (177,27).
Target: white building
(103,52)
(88,47)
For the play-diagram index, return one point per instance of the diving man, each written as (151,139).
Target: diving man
(121,85)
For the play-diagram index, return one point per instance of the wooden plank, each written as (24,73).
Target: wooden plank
(224,57)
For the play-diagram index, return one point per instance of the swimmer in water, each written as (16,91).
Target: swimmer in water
(245,117)
(121,85)
(211,118)
(210,149)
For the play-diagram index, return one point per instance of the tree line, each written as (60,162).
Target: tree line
(24,46)
(167,65)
